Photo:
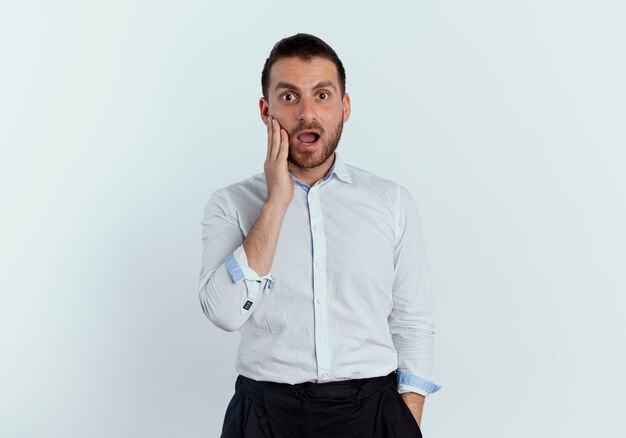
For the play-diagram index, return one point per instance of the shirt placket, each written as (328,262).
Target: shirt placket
(320,290)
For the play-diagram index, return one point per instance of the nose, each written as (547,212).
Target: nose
(306,110)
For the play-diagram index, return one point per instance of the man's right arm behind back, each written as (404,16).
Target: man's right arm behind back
(236,270)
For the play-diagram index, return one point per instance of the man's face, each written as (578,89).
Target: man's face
(305,98)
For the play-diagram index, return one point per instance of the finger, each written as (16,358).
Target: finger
(275,139)
(269,137)
(284,145)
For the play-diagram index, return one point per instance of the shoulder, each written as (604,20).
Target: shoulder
(396,197)
(244,187)
(235,196)
(377,184)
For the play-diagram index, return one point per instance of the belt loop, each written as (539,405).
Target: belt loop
(302,392)
(238,382)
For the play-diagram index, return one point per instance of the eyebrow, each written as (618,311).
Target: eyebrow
(323,84)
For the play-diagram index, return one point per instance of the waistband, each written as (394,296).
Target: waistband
(353,388)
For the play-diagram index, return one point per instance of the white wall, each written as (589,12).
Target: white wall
(118,119)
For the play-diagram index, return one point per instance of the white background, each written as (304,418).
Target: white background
(119,118)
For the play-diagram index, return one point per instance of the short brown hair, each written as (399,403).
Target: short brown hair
(303,46)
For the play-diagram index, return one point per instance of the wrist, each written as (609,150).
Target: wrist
(272,207)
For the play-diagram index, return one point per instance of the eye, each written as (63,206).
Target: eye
(323,95)
(288,97)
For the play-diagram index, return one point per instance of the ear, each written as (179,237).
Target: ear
(265,109)
(346,107)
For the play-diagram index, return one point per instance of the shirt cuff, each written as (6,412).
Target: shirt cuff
(408,382)
(237,266)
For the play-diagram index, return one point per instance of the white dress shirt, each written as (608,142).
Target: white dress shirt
(348,295)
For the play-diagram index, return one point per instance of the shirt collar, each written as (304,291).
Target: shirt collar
(339,168)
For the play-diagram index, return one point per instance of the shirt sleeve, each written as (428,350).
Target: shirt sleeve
(411,321)
(229,289)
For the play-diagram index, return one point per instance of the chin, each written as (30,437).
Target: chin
(308,161)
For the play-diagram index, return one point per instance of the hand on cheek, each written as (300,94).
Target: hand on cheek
(274,117)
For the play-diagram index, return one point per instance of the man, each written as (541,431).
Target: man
(321,267)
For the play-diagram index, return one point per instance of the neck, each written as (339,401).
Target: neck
(312,175)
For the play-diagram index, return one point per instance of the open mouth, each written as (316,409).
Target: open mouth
(308,138)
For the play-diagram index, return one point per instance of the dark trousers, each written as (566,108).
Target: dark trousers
(359,408)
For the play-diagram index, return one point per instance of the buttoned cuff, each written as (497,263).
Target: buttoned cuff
(238,269)
(237,266)
(408,382)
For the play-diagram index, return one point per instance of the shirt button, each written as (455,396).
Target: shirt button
(314,227)
(318,301)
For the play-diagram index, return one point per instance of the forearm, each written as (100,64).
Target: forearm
(262,240)
(230,286)
(415,402)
